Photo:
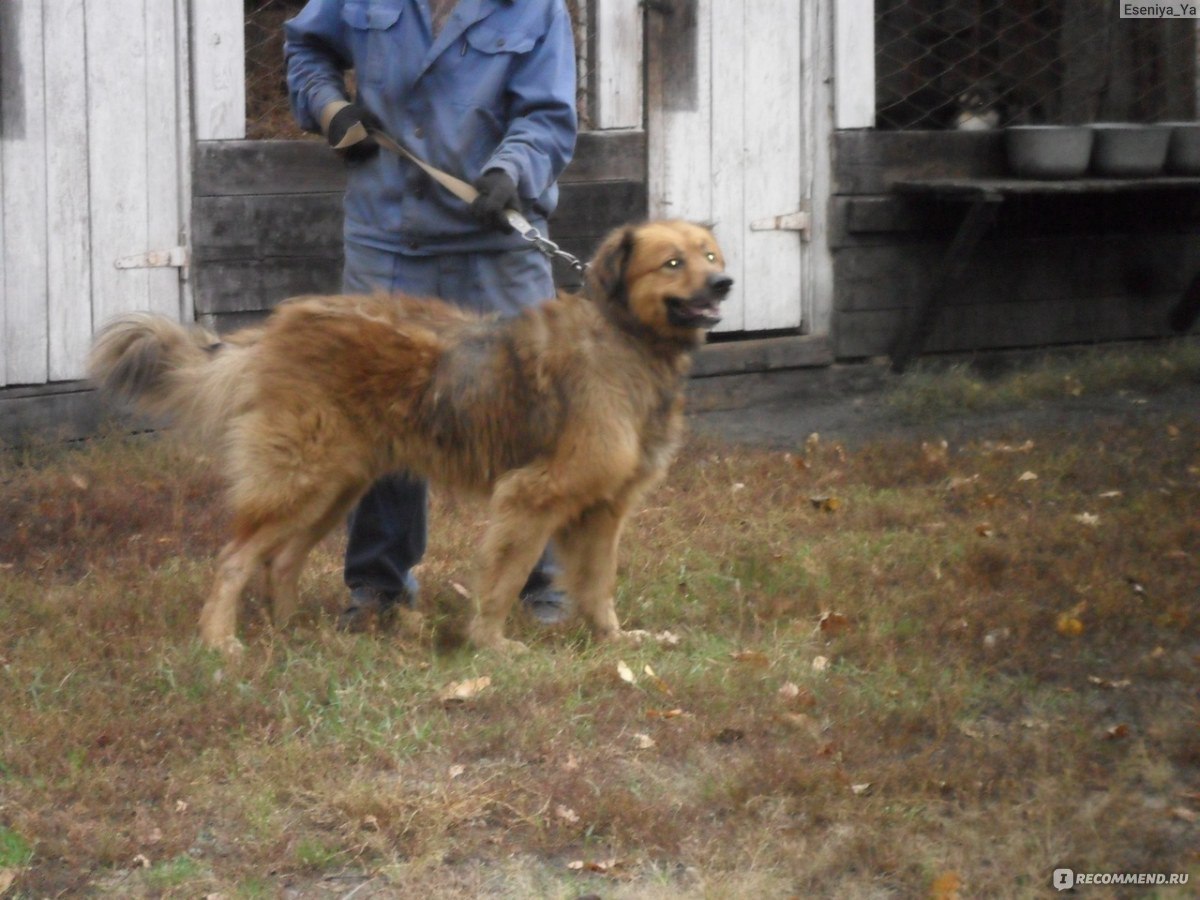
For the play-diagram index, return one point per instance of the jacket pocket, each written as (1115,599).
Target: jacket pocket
(489,39)
(367,33)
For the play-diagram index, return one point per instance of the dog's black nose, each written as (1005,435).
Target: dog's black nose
(719,283)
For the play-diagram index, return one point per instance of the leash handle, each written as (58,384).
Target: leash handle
(467,193)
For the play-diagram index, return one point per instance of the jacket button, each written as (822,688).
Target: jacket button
(419,132)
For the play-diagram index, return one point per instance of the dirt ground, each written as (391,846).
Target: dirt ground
(853,404)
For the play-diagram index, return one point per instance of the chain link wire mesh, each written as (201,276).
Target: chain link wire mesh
(984,63)
(267,112)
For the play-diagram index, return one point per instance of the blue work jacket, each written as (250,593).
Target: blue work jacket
(494,90)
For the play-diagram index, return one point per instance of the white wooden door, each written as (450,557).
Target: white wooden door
(94,138)
(739,126)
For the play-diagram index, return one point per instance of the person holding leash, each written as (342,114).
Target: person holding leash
(483,89)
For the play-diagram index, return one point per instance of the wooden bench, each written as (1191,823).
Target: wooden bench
(983,198)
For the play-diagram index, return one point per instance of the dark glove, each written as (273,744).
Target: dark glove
(496,194)
(347,127)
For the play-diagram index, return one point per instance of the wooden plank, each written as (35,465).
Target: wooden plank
(617,64)
(64,411)
(230,168)
(236,286)
(261,227)
(117,153)
(678,85)
(816,122)
(218,69)
(869,161)
(1028,323)
(854,63)
(68,256)
(607,156)
(591,209)
(225,168)
(26,328)
(730,132)
(762,355)
(166,158)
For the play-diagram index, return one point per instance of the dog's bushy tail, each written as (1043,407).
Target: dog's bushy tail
(183,375)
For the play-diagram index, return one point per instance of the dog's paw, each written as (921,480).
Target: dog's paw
(504,647)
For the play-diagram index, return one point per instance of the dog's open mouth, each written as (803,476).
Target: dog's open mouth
(697,311)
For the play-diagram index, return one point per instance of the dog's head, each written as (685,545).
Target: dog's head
(666,277)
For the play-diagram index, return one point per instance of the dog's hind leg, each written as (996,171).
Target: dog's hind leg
(285,566)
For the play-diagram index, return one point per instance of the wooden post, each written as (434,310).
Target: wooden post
(219,69)
(617,64)
(854,63)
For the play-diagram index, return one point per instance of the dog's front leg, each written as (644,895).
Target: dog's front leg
(514,540)
(588,546)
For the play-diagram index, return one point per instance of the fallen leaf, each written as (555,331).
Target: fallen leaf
(860,790)
(825,504)
(992,447)
(1068,625)
(566,814)
(7,877)
(601,866)
(820,663)
(667,639)
(462,691)
(789,690)
(737,486)
(985,530)
(663,713)
(755,658)
(369,823)
(832,623)
(456,771)
(1109,495)
(625,673)
(658,683)
(461,590)
(80,482)
(945,887)
(1028,476)
(1116,732)
(1111,685)
(141,861)
(1179,812)
(1086,518)
(643,741)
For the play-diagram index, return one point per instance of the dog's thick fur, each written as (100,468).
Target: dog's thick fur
(562,416)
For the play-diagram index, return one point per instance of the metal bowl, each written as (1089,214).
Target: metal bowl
(1048,151)
(1127,150)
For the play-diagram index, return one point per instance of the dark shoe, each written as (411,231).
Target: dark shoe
(367,604)
(547,604)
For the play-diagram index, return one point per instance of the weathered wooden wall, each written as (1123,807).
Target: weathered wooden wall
(1058,270)
(267,216)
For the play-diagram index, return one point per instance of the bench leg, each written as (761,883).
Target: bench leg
(1184,313)
(975,224)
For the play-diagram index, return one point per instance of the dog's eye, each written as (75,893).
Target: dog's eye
(710,256)
(673,263)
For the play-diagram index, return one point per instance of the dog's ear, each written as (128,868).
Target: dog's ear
(606,274)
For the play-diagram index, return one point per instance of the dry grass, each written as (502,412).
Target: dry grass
(1009,688)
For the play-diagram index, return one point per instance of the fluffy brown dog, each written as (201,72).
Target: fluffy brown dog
(562,416)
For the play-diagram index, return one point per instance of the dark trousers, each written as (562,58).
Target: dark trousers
(388,529)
